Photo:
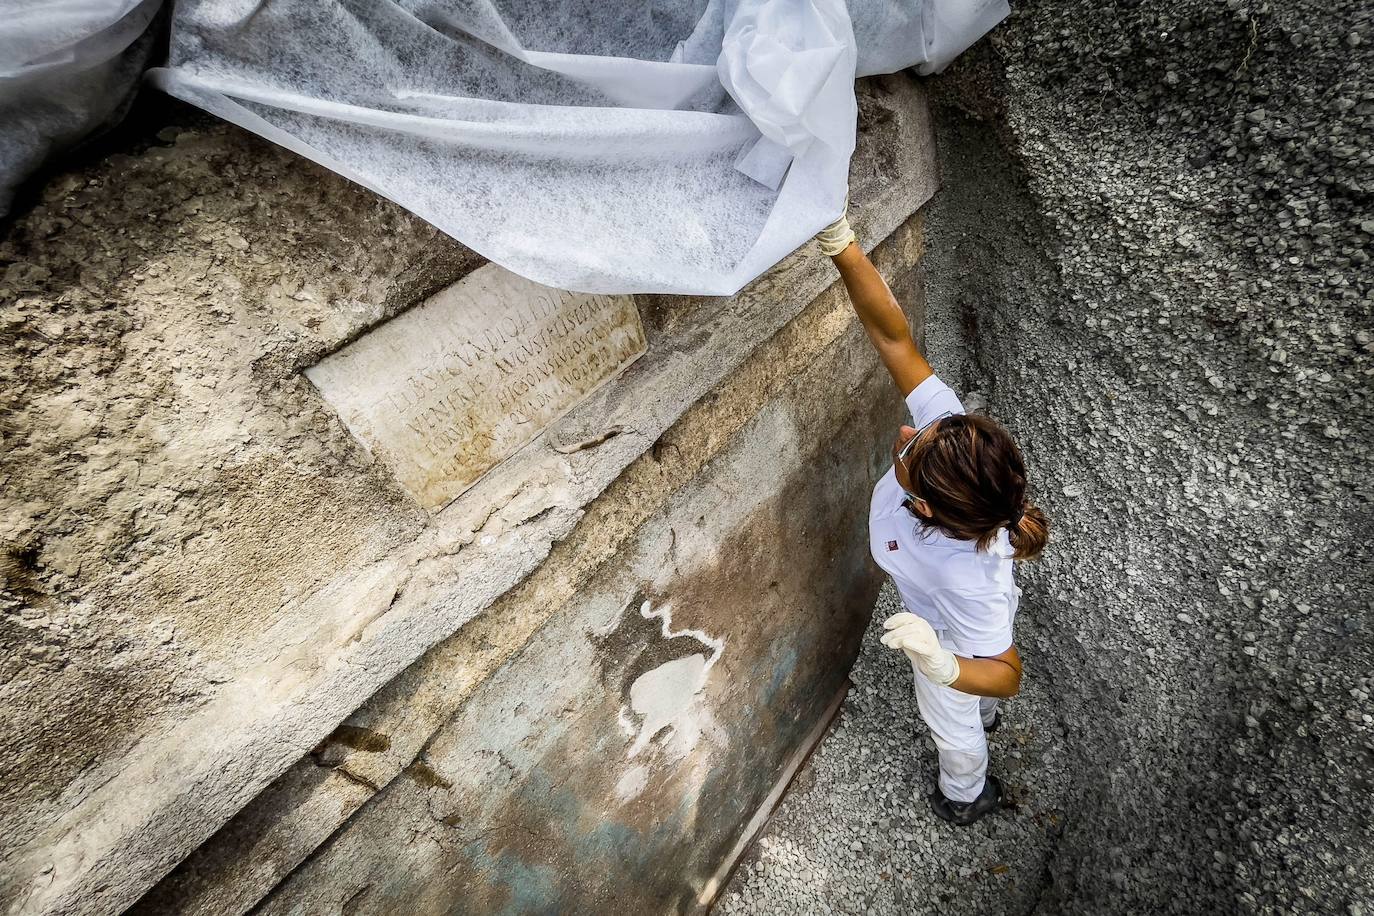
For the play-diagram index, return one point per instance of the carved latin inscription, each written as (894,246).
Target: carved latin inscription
(446,391)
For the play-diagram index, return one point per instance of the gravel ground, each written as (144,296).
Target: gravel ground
(1150,259)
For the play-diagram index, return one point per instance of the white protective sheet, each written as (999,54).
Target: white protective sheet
(679,146)
(67,68)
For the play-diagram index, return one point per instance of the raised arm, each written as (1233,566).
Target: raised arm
(878,311)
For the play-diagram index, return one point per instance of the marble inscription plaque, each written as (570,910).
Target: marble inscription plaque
(446,391)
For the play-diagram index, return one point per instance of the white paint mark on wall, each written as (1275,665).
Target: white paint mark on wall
(665,697)
(689,730)
(664,615)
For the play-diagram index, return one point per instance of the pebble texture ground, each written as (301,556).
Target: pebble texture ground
(1150,259)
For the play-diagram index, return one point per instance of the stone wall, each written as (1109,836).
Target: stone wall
(245,668)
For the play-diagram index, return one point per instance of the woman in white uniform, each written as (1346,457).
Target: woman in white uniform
(946,523)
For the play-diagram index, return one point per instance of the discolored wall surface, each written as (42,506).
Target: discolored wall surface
(238,652)
(608,766)
(520,784)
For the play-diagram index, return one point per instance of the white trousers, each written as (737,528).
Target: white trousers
(956,723)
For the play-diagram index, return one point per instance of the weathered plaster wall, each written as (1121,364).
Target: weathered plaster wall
(761,550)
(205,576)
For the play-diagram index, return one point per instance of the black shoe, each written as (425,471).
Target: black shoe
(996,721)
(961,814)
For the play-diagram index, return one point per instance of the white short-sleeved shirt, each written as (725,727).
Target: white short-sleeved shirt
(968,594)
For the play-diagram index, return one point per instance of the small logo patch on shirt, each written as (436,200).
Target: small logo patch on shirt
(891,545)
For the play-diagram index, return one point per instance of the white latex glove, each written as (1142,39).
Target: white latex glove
(914,636)
(836,237)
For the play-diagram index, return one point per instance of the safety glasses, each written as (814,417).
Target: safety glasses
(910,446)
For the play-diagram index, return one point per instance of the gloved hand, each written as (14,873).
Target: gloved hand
(914,636)
(837,236)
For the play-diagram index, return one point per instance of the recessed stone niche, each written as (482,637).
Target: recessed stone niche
(446,391)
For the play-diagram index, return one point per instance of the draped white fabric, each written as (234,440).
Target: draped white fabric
(67,67)
(654,146)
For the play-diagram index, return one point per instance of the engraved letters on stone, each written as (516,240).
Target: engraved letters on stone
(446,391)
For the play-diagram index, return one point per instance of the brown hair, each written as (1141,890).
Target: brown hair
(971,474)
